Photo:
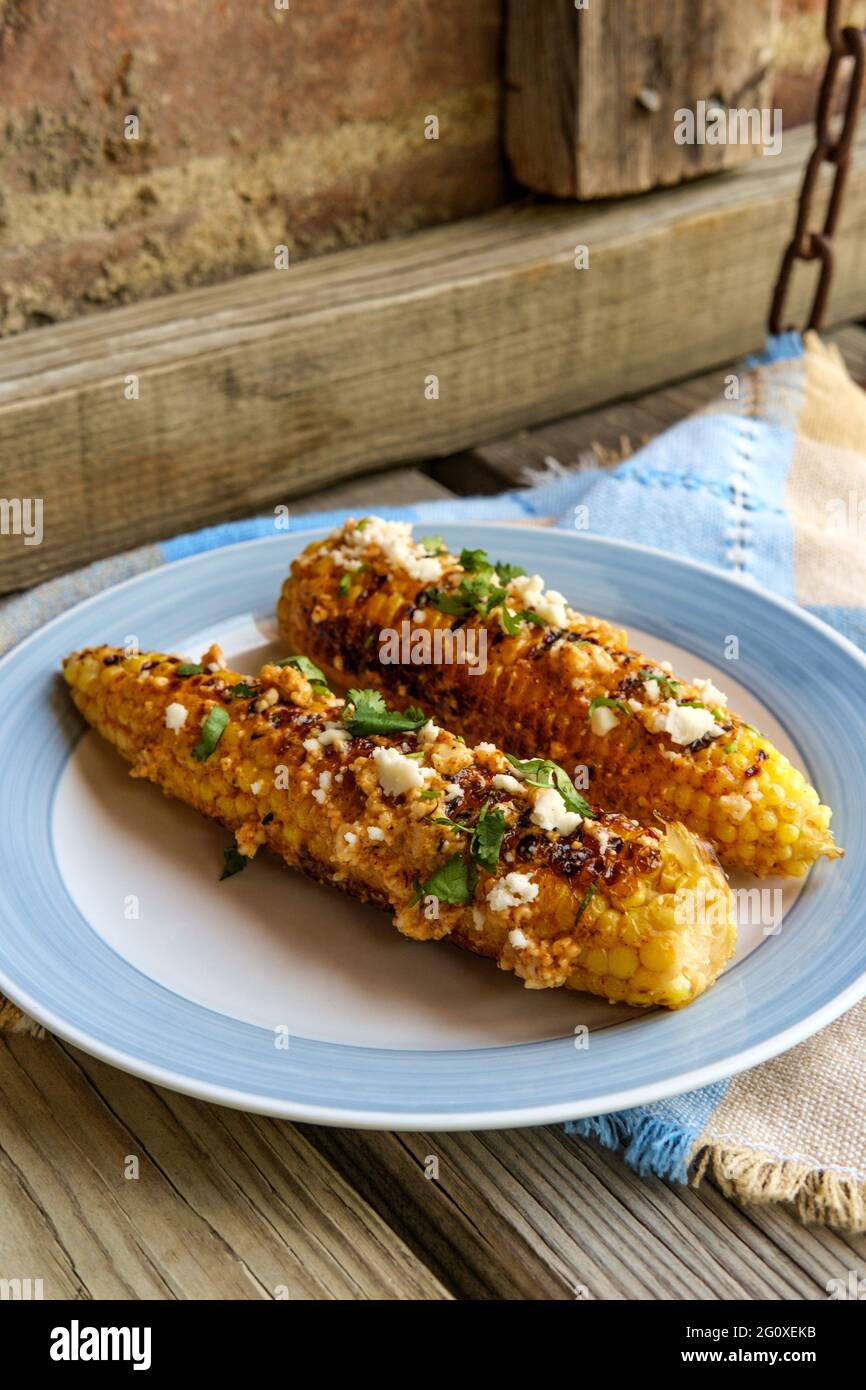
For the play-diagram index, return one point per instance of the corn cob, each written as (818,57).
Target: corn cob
(451,840)
(364,601)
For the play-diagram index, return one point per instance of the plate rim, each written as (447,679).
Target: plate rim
(441,1120)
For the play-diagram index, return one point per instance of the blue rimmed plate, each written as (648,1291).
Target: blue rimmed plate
(277,995)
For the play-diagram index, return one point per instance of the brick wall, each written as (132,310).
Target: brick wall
(257,126)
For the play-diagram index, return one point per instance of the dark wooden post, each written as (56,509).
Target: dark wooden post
(592,88)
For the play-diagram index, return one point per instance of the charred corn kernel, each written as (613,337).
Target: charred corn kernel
(537,913)
(535,695)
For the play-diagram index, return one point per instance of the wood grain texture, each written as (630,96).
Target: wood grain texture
(591,93)
(254,392)
(225,1206)
(232,1206)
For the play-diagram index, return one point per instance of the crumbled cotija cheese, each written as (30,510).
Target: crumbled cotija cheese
(549,813)
(255,787)
(350,837)
(710,693)
(429,732)
(684,724)
(396,773)
(394,538)
(529,591)
(602,720)
(513,890)
(374,833)
(333,733)
(503,782)
(517,939)
(175,716)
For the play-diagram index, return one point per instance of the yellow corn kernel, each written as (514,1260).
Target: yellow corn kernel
(766,820)
(658,955)
(622,962)
(608,924)
(787,834)
(637,898)
(596,960)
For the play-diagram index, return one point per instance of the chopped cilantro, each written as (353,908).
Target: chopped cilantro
(306,667)
(475,561)
(585,901)
(428,795)
(512,621)
(233,862)
(606,702)
(365,521)
(485,836)
(365,713)
(242,691)
(211,733)
(453,882)
(542,772)
(508,572)
(666,684)
(189,668)
(344,584)
(434,545)
(729,747)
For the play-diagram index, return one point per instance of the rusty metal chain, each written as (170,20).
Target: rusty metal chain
(808,245)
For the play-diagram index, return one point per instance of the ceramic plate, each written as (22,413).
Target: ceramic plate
(274,994)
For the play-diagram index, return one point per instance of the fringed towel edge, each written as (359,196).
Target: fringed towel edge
(821,1196)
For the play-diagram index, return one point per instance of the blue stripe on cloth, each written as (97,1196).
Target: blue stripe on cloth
(656,1139)
(851,622)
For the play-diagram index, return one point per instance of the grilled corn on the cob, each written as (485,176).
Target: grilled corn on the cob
(549,680)
(403,815)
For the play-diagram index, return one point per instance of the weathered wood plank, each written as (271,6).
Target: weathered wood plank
(224,1206)
(254,392)
(592,90)
(534,1213)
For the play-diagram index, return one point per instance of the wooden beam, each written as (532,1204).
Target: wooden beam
(592,91)
(253,392)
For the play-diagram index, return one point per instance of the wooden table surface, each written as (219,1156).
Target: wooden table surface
(221,1204)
